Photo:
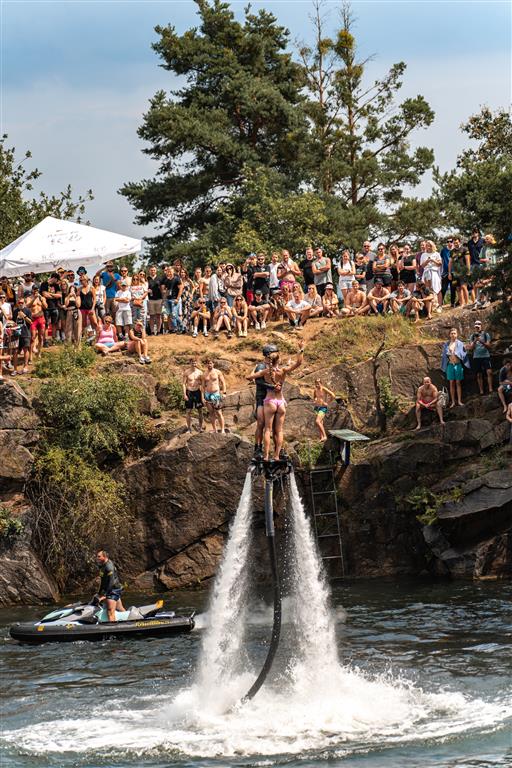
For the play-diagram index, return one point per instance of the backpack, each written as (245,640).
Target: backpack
(443,398)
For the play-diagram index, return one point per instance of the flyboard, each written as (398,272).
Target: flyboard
(272,472)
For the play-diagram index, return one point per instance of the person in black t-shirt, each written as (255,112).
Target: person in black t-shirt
(261,277)
(258,310)
(173,287)
(50,290)
(306,265)
(110,585)
(154,301)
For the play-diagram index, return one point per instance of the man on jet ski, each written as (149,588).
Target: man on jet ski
(110,585)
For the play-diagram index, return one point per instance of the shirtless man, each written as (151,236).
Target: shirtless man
(37,305)
(428,398)
(378,298)
(322,406)
(214,387)
(192,393)
(355,301)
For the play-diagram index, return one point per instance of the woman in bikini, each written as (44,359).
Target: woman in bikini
(321,407)
(274,405)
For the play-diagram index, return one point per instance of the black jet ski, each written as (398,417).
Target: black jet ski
(89,621)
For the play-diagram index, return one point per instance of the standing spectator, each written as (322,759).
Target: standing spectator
(123,271)
(214,387)
(26,285)
(287,271)
(431,264)
(446,253)
(273,268)
(407,268)
(360,271)
(124,313)
(215,289)
(155,300)
(240,315)
(5,308)
(87,303)
(306,267)
(233,283)
(261,277)
(480,345)
(8,290)
(394,258)
(453,361)
(488,252)
(23,318)
(346,271)
(382,266)
(417,256)
(474,246)
(259,310)
(73,317)
(99,296)
(50,291)
(204,282)
(369,258)
(37,306)
(109,277)
(138,295)
(63,315)
(459,267)
(322,272)
(174,288)
(187,301)
(247,272)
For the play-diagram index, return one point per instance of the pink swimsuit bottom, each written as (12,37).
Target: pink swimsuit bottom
(274,400)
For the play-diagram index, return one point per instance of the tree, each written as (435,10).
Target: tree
(479,192)
(236,112)
(359,147)
(18,212)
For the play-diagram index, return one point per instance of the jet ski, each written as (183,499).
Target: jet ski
(89,621)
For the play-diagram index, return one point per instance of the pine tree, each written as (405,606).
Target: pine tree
(236,111)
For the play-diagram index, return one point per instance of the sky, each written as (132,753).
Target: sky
(76,77)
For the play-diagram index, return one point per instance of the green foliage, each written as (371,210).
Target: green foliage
(390,403)
(172,393)
(65,360)
(309,453)
(10,527)
(425,503)
(18,210)
(76,508)
(96,416)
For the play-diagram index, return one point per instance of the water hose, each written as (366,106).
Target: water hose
(276,626)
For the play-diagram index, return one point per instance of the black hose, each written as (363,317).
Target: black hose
(276,626)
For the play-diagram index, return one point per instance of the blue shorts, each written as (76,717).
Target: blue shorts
(214,398)
(455,372)
(114,594)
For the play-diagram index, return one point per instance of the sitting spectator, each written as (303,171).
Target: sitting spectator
(505,383)
(107,341)
(378,297)
(330,302)
(314,300)
(222,318)
(297,310)
(399,299)
(123,312)
(453,361)
(137,341)
(428,399)
(421,300)
(259,310)
(480,345)
(240,314)
(355,301)
(200,315)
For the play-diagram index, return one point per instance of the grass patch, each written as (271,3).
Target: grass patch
(170,393)
(65,361)
(352,341)
(10,526)
(309,453)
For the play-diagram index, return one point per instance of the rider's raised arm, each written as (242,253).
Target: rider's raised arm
(297,362)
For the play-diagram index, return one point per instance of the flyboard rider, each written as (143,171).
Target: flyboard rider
(272,375)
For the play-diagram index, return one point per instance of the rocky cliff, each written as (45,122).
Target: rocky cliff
(438,501)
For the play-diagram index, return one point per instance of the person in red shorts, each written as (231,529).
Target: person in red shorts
(37,306)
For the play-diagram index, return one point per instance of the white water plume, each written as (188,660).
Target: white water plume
(315,626)
(221,649)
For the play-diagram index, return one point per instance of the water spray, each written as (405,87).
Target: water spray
(272,472)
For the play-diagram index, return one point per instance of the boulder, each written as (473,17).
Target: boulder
(23,578)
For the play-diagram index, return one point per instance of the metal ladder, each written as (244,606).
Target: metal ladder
(326,521)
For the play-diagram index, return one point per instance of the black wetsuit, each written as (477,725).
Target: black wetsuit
(261,387)
(109,580)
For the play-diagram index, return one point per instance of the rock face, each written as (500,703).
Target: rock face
(18,436)
(183,496)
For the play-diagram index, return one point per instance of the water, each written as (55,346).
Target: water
(416,675)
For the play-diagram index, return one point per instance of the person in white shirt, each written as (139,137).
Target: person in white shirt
(432,265)
(123,311)
(297,309)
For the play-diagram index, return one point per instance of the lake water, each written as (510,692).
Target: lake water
(424,680)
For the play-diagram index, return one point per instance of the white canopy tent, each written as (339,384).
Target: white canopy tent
(55,243)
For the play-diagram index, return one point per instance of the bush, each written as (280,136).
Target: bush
(390,403)
(10,526)
(95,416)
(76,508)
(172,394)
(66,360)
(309,453)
